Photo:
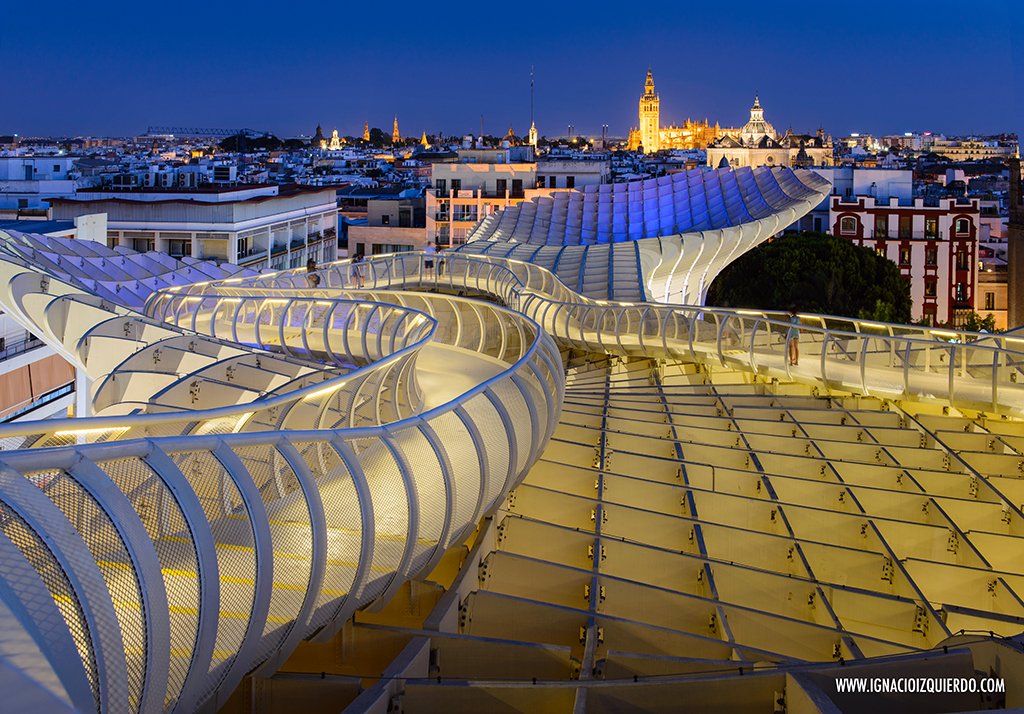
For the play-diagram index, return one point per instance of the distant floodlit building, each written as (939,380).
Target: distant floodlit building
(650,136)
(757,144)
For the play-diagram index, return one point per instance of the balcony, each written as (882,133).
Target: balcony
(249,252)
(442,217)
(12,348)
(906,235)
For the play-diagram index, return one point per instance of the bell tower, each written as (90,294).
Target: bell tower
(650,135)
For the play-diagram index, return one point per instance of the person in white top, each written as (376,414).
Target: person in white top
(428,262)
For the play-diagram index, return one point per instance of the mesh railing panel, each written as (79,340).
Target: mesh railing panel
(175,548)
(290,529)
(236,556)
(390,513)
(109,551)
(429,490)
(462,455)
(35,551)
(344,529)
(492,431)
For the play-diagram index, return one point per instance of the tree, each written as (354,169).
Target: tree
(293,144)
(976,323)
(378,139)
(241,143)
(818,273)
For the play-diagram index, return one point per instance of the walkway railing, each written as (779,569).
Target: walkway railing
(977,371)
(259,524)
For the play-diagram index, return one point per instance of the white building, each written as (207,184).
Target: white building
(27,181)
(256,226)
(483,181)
(847,182)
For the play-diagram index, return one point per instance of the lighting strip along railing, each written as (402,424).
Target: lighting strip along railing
(968,370)
(185,549)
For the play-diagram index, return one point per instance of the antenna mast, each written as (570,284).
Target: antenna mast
(531,95)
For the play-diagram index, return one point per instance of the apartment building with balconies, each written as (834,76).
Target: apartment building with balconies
(934,241)
(483,181)
(255,226)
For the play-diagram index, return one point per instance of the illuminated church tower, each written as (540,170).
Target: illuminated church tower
(650,136)
(366,131)
(395,136)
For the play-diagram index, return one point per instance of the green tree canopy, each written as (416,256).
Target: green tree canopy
(818,273)
(240,142)
(379,139)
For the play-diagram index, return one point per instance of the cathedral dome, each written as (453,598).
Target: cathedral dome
(757,128)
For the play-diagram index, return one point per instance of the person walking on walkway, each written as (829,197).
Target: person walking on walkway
(355,270)
(793,336)
(311,277)
(428,262)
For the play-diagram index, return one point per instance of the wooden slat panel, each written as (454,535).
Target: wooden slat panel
(49,373)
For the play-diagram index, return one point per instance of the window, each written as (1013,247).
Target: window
(963,226)
(552,182)
(904,256)
(464,213)
(385,220)
(961,292)
(905,227)
(570,182)
(441,186)
(517,188)
(179,248)
(22,203)
(961,260)
(990,301)
(931,256)
(540,182)
(56,168)
(931,227)
(848,225)
(501,185)
(929,288)
(456,185)
(881,227)
(880,250)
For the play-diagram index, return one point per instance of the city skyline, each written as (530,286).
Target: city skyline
(116,73)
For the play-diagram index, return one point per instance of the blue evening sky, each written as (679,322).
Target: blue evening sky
(115,68)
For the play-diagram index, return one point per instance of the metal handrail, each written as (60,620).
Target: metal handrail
(912,354)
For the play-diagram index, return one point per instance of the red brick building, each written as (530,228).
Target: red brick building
(933,241)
